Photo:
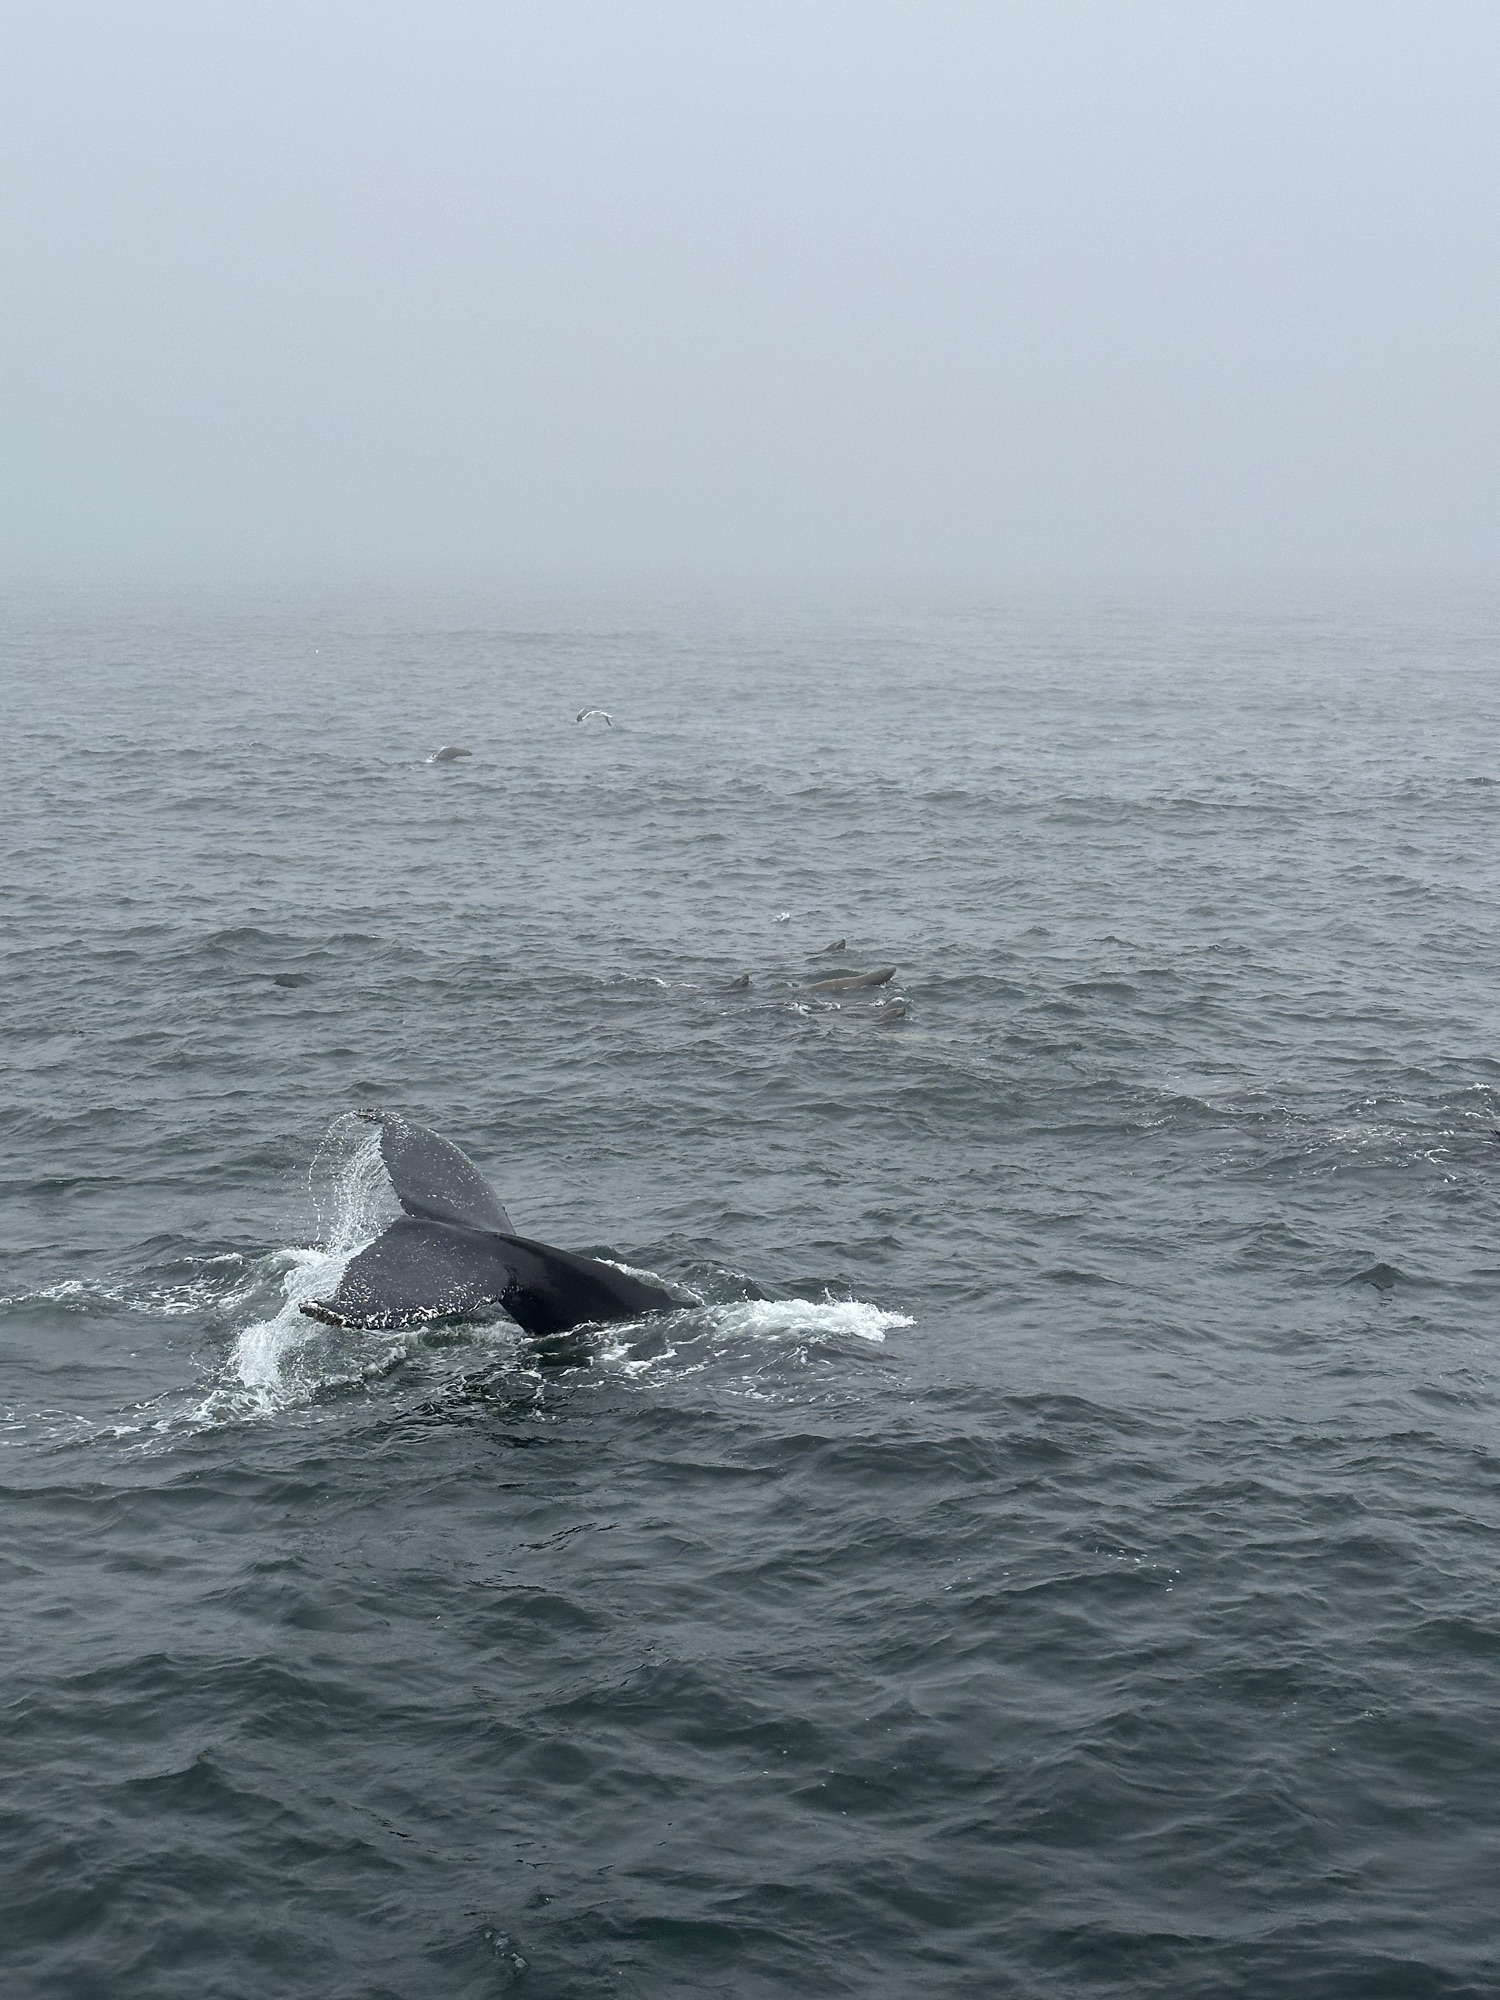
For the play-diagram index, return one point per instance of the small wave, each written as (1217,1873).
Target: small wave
(215,1288)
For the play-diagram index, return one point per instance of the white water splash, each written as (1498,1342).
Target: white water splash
(290,1359)
(786,1323)
(350,1189)
(795,1319)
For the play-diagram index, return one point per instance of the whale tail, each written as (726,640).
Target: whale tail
(454,1254)
(433,1179)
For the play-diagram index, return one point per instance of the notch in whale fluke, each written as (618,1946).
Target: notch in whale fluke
(454,1254)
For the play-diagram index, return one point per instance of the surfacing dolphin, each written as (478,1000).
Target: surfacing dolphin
(454,1254)
(853,982)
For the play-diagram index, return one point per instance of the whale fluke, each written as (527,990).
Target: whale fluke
(449,754)
(454,1254)
(418,1272)
(433,1180)
(737,985)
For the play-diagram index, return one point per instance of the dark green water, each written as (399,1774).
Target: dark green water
(1058,1555)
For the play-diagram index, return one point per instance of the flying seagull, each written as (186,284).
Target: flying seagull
(585,713)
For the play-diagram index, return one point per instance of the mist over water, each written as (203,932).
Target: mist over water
(810,289)
(1051,1548)
(1048,1549)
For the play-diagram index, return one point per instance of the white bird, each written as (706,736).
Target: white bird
(585,713)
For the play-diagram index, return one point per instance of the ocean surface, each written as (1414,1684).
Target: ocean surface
(1053,1550)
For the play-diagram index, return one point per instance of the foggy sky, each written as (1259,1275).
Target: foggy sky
(749,288)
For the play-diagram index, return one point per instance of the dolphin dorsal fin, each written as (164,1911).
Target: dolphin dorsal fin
(433,1179)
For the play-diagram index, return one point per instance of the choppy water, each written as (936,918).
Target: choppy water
(1057,1555)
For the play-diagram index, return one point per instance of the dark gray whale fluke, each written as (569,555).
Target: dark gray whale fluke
(454,1254)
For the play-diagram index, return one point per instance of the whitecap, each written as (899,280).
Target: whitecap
(799,1319)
